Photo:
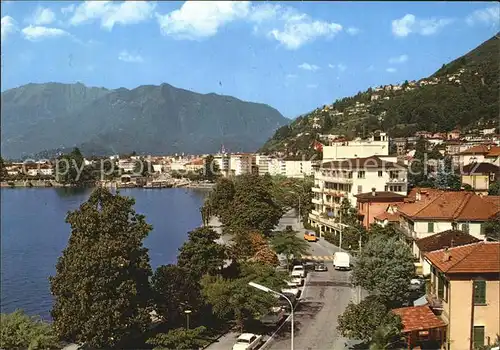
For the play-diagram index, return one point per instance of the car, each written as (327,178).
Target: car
(274,317)
(310,236)
(320,267)
(248,341)
(308,265)
(293,291)
(299,268)
(297,281)
(417,284)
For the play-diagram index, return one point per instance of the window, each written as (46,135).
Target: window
(440,286)
(478,336)
(386,188)
(394,174)
(361,174)
(379,174)
(479,292)
(430,227)
(360,189)
(465,227)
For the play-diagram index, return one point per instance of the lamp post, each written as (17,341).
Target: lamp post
(187,312)
(269,290)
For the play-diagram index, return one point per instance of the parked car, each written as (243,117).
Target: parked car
(297,279)
(248,341)
(293,291)
(274,317)
(299,268)
(320,267)
(341,261)
(308,265)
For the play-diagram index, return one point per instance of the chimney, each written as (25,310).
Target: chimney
(418,196)
(447,255)
(373,192)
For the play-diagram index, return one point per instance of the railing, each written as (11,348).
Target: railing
(334,178)
(335,193)
(317,201)
(317,189)
(397,181)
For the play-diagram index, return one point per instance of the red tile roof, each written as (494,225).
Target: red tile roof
(388,216)
(449,238)
(480,168)
(493,200)
(380,196)
(448,205)
(482,257)
(418,318)
(479,149)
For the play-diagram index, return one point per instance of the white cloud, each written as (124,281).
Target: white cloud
(352,30)
(409,24)
(35,33)
(110,13)
(341,67)
(9,26)
(489,16)
(125,56)
(332,66)
(391,70)
(201,19)
(307,66)
(42,16)
(68,9)
(398,59)
(300,29)
(312,86)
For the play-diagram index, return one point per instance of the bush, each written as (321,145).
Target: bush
(20,331)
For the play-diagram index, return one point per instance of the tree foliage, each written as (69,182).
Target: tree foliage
(245,203)
(494,189)
(385,268)
(71,169)
(101,287)
(175,291)
(20,331)
(3,171)
(294,193)
(288,244)
(364,321)
(210,168)
(200,254)
(446,178)
(234,298)
(180,339)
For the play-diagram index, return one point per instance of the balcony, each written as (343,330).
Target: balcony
(316,189)
(334,193)
(333,178)
(317,201)
(397,181)
(315,213)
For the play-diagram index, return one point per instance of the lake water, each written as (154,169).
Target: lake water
(34,233)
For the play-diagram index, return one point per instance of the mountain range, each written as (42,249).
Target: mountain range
(54,117)
(462,94)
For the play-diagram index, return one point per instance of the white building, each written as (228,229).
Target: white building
(241,163)
(289,168)
(375,145)
(336,180)
(126,165)
(223,161)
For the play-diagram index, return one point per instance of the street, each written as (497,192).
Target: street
(324,298)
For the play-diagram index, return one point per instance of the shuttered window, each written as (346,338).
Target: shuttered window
(478,336)
(479,292)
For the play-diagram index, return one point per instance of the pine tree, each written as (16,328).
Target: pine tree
(101,287)
(446,178)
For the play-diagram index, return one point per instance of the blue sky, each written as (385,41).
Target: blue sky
(294,56)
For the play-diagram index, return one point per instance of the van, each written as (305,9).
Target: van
(310,236)
(341,261)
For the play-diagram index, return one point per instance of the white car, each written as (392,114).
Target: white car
(248,341)
(293,291)
(297,281)
(301,269)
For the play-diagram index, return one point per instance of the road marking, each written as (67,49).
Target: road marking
(318,257)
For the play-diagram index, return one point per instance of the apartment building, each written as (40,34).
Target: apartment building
(372,204)
(285,167)
(480,153)
(223,161)
(445,210)
(240,163)
(465,293)
(336,180)
(377,144)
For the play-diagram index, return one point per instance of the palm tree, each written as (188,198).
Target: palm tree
(288,244)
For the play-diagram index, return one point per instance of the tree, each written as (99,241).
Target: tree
(210,168)
(388,335)
(181,339)
(245,203)
(361,321)
(3,171)
(20,331)
(201,254)
(385,267)
(288,244)
(494,189)
(446,178)
(234,298)
(492,228)
(174,291)
(71,170)
(142,167)
(101,287)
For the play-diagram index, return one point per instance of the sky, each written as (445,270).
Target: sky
(294,56)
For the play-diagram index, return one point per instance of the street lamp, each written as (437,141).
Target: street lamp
(269,290)
(187,312)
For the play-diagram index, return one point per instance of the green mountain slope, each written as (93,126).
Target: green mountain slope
(147,119)
(463,93)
